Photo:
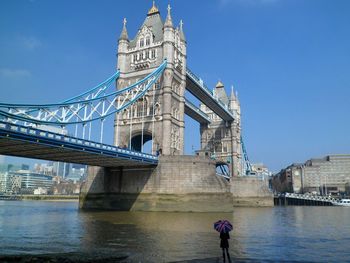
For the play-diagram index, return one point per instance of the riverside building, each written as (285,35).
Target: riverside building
(27,181)
(323,176)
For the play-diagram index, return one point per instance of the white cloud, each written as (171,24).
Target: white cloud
(14,73)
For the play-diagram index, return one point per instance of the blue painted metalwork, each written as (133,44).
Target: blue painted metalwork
(84,110)
(36,136)
(247,164)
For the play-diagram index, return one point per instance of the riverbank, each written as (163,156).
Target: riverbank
(66,258)
(55,198)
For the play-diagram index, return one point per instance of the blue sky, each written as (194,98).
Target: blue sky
(289,60)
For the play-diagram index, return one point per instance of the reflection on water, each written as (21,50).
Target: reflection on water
(317,234)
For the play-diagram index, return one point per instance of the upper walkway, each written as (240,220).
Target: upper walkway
(197,88)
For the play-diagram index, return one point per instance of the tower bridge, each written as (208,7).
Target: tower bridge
(148,104)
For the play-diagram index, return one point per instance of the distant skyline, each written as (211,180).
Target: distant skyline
(289,61)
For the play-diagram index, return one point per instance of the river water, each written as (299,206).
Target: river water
(293,233)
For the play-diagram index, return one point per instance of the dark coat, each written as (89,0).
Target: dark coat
(224,239)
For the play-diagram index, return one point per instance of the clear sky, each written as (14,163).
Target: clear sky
(289,60)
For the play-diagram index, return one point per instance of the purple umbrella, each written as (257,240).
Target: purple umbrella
(223,226)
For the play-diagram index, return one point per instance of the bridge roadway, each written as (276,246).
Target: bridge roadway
(21,141)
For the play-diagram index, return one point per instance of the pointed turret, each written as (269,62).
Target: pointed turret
(221,93)
(168,38)
(233,99)
(232,96)
(124,33)
(168,20)
(181,32)
(123,45)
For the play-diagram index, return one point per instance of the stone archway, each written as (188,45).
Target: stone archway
(138,140)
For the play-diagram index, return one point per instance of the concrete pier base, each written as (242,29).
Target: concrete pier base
(250,191)
(178,183)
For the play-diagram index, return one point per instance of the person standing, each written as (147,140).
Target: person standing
(225,236)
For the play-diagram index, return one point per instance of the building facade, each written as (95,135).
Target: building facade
(222,139)
(325,175)
(159,115)
(31,181)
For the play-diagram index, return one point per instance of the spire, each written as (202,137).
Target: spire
(182,35)
(124,33)
(233,96)
(168,20)
(153,10)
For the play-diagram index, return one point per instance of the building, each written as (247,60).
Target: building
(323,176)
(260,170)
(154,42)
(31,181)
(220,139)
(10,183)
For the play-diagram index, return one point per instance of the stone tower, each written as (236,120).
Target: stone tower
(158,116)
(221,139)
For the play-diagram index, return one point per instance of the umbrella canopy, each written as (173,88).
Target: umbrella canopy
(223,226)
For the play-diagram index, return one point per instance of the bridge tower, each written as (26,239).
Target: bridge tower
(159,115)
(221,139)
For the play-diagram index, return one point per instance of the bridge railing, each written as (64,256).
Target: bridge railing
(198,81)
(72,140)
(204,87)
(311,197)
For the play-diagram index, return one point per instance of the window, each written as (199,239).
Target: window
(148,41)
(142,42)
(157,84)
(141,107)
(153,53)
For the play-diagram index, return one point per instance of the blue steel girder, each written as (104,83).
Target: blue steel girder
(198,89)
(21,141)
(93,106)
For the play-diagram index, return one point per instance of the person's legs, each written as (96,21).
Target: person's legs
(223,254)
(228,255)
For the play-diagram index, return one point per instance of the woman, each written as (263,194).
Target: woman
(225,236)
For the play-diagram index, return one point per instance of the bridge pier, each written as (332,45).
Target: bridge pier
(178,183)
(250,191)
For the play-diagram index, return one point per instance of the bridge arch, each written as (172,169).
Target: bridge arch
(142,141)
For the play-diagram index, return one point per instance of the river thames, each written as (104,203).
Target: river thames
(289,234)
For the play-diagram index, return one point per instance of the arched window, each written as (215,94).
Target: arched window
(142,42)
